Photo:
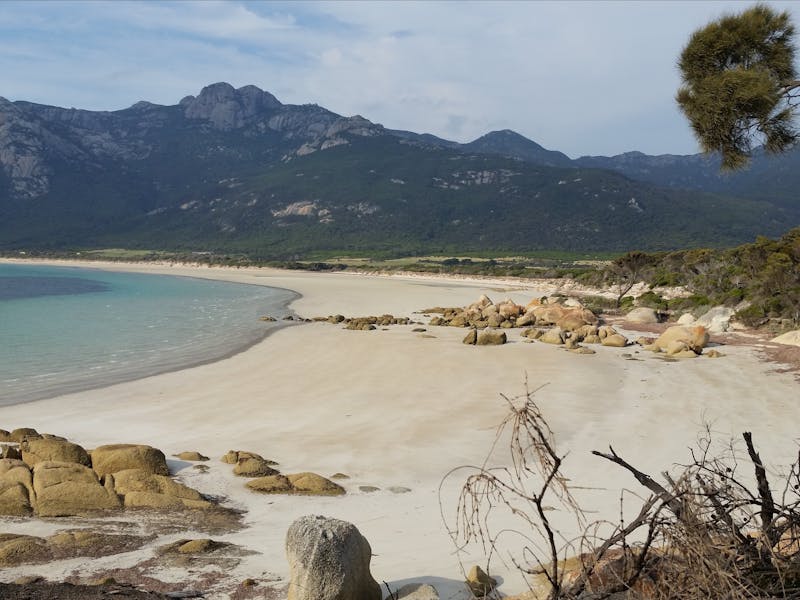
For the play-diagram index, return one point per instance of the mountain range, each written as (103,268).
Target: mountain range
(236,170)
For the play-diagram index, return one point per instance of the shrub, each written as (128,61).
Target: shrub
(651,299)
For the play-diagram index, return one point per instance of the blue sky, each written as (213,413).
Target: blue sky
(580,77)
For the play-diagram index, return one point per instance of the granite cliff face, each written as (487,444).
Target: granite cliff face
(226,108)
(32,135)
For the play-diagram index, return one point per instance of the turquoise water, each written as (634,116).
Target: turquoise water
(66,329)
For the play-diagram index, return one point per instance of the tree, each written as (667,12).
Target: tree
(740,86)
(626,270)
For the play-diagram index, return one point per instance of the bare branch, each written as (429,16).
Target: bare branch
(651,484)
(764,491)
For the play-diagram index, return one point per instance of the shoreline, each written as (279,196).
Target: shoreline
(144,371)
(546,286)
(76,388)
(394,409)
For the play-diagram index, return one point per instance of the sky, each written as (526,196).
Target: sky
(585,78)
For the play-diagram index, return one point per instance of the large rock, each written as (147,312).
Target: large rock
(16,488)
(417,591)
(532,333)
(314,485)
(7,464)
(552,336)
(675,347)
(191,455)
(307,484)
(483,301)
(479,582)
(576,318)
(695,338)
(471,338)
(67,489)
(163,502)
(527,319)
(42,449)
(14,499)
(253,467)
(329,560)
(791,338)
(232,457)
(508,309)
(717,319)
(495,320)
(15,471)
(461,320)
(23,433)
(196,546)
(615,340)
(583,332)
(19,549)
(142,489)
(605,331)
(491,338)
(271,484)
(643,315)
(120,457)
(548,314)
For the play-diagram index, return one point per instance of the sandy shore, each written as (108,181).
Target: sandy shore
(396,409)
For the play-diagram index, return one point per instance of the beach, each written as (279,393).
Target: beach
(397,410)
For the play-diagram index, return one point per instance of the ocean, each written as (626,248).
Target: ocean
(65,329)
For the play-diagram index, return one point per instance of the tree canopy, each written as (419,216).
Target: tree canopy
(740,84)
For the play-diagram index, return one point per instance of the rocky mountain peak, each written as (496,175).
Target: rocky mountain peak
(226,107)
(510,143)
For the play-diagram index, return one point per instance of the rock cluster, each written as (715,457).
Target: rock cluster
(54,477)
(249,464)
(305,484)
(507,314)
(571,339)
(23,549)
(365,323)
(268,480)
(679,341)
(567,323)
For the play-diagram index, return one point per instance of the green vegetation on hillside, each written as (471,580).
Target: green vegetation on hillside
(240,193)
(760,279)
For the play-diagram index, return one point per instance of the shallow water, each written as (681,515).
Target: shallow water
(65,329)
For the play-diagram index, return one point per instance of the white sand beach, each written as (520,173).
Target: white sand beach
(398,409)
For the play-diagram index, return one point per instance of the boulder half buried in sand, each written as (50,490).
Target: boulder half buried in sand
(329,560)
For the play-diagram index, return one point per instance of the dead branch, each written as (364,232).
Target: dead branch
(672,502)
(692,539)
(764,491)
